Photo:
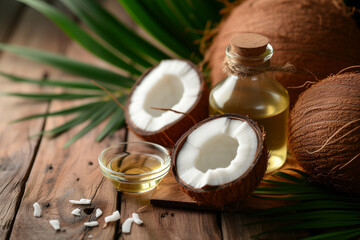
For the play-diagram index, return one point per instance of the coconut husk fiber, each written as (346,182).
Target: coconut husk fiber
(324,132)
(315,36)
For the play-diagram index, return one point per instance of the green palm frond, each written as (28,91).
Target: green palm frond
(116,121)
(73,84)
(178,25)
(71,66)
(97,118)
(314,207)
(57,113)
(83,116)
(78,34)
(149,19)
(115,34)
(51,96)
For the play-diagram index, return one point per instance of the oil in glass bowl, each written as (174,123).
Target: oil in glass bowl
(135,167)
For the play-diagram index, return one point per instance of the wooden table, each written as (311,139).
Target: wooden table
(38,169)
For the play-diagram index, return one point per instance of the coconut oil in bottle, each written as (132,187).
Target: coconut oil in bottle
(250,89)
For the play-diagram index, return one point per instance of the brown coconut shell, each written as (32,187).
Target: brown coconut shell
(314,35)
(226,196)
(168,135)
(324,132)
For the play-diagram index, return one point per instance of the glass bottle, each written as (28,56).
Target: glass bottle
(251,89)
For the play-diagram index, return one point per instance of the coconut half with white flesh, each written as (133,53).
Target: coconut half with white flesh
(221,160)
(166,101)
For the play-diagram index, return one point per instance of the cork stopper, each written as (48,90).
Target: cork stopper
(248,44)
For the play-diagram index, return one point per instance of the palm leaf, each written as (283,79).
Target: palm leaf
(114,34)
(137,10)
(79,35)
(205,12)
(57,113)
(50,96)
(117,119)
(80,118)
(185,11)
(75,84)
(315,207)
(177,25)
(96,119)
(341,234)
(71,66)
(179,28)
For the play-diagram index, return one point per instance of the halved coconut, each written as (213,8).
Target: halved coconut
(166,101)
(221,160)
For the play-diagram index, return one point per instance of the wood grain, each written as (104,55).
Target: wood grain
(17,148)
(166,223)
(59,175)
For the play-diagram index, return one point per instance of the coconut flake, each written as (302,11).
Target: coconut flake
(37,209)
(126,226)
(76,212)
(98,213)
(82,201)
(91,224)
(113,217)
(55,224)
(137,219)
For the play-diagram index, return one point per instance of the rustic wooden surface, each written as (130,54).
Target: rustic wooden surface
(18,151)
(39,169)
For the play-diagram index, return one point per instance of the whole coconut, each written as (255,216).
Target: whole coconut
(314,35)
(324,132)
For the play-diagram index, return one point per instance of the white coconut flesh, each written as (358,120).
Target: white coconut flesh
(173,84)
(216,153)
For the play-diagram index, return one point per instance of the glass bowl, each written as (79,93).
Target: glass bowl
(135,167)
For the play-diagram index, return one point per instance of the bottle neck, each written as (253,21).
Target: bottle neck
(239,65)
(244,70)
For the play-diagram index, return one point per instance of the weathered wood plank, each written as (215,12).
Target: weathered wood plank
(59,175)
(166,223)
(17,149)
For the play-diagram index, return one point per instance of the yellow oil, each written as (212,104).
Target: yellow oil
(134,165)
(268,108)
